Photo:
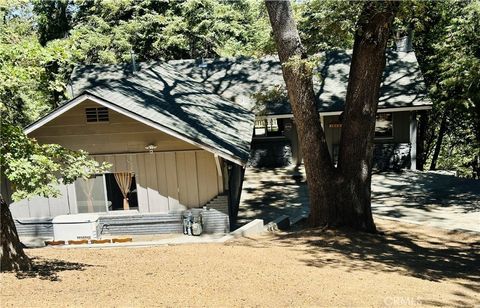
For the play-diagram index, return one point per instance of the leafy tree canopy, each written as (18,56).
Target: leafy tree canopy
(447,45)
(27,90)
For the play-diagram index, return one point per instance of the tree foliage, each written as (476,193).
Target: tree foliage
(327,24)
(29,87)
(53,19)
(36,170)
(447,45)
(108,31)
(446,38)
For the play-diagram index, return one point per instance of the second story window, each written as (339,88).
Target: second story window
(98,114)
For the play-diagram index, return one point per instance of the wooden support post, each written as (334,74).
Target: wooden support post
(413,140)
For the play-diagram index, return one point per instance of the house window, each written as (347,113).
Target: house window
(102,193)
(115,196)
(260,128)
(384,125)
(268,127)
(91,195)
(94,115)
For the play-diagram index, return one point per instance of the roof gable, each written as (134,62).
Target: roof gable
(159,96)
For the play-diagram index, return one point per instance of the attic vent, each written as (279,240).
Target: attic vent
(99,114)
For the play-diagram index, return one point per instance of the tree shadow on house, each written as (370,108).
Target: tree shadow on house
(48,269)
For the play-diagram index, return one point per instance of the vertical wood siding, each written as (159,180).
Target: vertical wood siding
(170,181)
(166,182)
(46,207)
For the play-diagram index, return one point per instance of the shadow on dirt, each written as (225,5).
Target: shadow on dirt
(406,250)
(48,269)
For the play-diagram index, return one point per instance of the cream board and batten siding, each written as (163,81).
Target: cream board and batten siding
(120,134)
(39,207)
(170,181)
(177,176)
(166,182)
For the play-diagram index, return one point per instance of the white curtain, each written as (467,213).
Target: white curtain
(87,186)
(124,181)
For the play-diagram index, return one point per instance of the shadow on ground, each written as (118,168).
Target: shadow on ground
(408,250)
(270,193)
(48,269)
(424,191)
(438,200)
(421,255)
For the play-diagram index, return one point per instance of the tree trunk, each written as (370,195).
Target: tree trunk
(430,140)
(12,256)
(297,74)
(337,197)
(358,129)
(441,134)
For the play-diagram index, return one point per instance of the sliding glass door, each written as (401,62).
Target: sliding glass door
(91,194)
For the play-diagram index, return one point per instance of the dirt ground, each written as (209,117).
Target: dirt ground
(407,266)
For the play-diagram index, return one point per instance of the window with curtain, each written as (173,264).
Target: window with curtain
(91,195)
(115,193)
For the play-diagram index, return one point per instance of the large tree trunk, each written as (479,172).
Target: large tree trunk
(297,74)
(12,256)
(358,129)
(337,197)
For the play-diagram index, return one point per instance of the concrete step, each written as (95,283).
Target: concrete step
(218,200)
(273,182)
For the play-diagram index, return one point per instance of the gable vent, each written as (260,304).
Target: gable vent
(99,114)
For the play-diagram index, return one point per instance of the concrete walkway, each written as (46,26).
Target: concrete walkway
(436,200)
(270,193)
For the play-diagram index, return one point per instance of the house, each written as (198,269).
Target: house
(179,135)
(403,96)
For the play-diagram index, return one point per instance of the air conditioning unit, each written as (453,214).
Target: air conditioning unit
(75,227)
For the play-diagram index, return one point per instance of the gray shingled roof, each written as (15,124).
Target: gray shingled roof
(239,78)
(210,101)
(160,94)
